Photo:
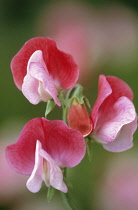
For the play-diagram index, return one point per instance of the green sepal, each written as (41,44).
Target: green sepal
(78,93)
(49,107)
(64,102)
(50,192)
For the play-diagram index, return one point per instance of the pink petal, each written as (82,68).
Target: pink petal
(30,89)
(60,65)
(104,90)
(109,90)
(51,175)
(65,146)
(124,139)
(109,125)
(43,82)
(119,88)
(21,155)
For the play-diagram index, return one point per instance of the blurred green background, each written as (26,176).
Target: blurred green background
(22,20)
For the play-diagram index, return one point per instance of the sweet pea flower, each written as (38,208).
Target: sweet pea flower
(113,118)
(40,69)
(43,148)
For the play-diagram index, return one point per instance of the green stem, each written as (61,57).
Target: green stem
(67,196)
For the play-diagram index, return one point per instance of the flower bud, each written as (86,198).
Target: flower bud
(78,118)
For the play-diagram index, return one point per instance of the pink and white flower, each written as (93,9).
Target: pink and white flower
(43,149)
(113,118)
(40,69)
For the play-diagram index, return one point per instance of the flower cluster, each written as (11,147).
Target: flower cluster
(45,148)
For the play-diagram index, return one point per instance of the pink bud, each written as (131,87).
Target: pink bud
(79,119)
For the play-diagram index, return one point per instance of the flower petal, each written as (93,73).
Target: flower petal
(124,139)
(65,146)
(52,175)
(59,64)
(30,89)
(38,71)
(109,90)
(104,90)
(109,125)
(119,88)
(55,173)
(21,155)
(34,183)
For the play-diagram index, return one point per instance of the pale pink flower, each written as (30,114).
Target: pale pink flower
(11,184)
(68,24)
(40,69)
(43,148)
(113,118)
(93,35)
(118,188)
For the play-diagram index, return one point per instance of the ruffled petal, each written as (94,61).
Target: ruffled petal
(49,172)
(55,174)
(21,155)
(109,90)
(64,145)
(30,89)
(45,85)
(34,183)
(119,88)
(104,90)
(120,114)
(60,65)
(124,139)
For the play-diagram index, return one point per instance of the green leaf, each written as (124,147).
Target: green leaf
(50,193)
(50,106)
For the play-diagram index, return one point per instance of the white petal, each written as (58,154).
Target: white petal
(34,183)
(55,173)
(124,139)
(45,169)
(38,70)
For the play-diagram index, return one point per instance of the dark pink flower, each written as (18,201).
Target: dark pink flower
(113,116)
(40,69)
(43,148)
